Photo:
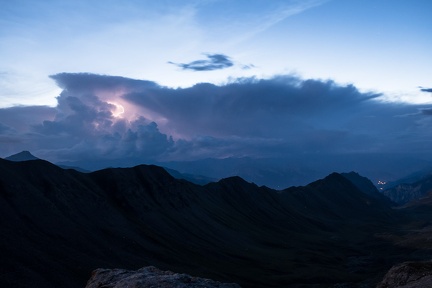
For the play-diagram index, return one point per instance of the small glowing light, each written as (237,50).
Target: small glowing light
(118,111)
(381,182)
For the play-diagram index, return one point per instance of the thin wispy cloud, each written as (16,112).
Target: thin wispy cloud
(287,10)
(281,12)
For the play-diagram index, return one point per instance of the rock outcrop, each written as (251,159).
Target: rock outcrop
(150,277)
(408,275)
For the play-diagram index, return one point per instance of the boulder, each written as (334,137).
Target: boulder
(408,275)
(150,277)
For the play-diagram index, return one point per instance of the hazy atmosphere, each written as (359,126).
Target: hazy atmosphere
(321,85)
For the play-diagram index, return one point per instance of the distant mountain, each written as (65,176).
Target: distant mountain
(274,173)
(407,192)
(411,178)
(26,156)
(277,173)
(21,156)
(366,186)
(196,179)
(79,169)
(58,225)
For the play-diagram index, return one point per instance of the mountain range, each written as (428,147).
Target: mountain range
(58,225)
(279,173)
(406,192)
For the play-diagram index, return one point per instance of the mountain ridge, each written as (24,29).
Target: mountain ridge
(229,231)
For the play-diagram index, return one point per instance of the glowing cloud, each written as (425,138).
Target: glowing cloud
(118,110)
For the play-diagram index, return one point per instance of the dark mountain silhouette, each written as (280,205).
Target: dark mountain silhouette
(59,225)
(27,156)
(277,173)
(22,156)
(280,173)
(79,169)
(270,172)
(366,186)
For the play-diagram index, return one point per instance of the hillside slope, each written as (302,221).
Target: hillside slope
(58,225)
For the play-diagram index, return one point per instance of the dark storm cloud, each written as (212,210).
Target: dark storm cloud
(426,111)
(252,117)
(214,62)
(247,67)
(4,129)
(258,108)
(87,82)
(426,90)
(292,114)
(22,117)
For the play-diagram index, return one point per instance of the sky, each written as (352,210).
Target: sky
(378,45)
(179,80)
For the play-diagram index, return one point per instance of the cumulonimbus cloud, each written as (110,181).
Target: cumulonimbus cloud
(109,117)
(213,62)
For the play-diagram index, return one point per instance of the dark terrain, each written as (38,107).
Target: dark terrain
(58,225)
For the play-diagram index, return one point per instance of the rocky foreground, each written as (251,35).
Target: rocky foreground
(404,275)
(150,277)
(408,275)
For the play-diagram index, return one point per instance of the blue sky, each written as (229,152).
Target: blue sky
(376,45)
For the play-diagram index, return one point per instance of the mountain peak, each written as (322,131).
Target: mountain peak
(22,156)
(363,184)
